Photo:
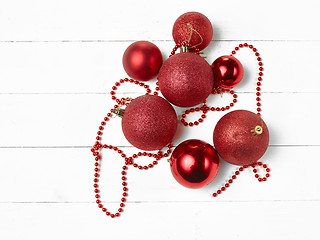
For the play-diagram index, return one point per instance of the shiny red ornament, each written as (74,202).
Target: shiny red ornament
(194,163)
(227,71)
(193,27)
(149,122)
(241,137)
(185,79)
(142,60)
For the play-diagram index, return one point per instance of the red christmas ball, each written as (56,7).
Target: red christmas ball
(142,60)
(149,122)
(185,79)
(194,28)
(241,137)
(194,163)
(227,71)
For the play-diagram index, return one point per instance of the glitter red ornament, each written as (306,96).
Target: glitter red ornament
(194,28)
(241,137)
(227,71)
(149,122)
(185,79)
(142,60)
(194,163)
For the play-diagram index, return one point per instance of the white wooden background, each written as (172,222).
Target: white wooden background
(58,60)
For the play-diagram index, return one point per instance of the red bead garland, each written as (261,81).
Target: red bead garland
(98,146)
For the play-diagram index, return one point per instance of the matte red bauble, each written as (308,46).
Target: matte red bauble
(194,26)
(241,137)
(194,163)
(185,79)
(149,122)
(227,71)
(142,60)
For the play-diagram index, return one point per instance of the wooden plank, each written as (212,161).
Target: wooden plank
(84,20)
(227,220)
(73,119)
(66,175)
(93,67)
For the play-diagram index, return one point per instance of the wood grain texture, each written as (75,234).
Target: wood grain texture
(58,61)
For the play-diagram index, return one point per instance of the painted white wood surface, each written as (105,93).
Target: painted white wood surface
(58,60)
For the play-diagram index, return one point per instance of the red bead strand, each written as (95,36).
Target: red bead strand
(205,108)
(126,80)
(98,146)
(260,73)
(239,170)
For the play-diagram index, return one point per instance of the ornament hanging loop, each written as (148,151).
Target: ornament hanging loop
(257,130)
(119,112)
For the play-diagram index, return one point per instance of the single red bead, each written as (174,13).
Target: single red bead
(100,205)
